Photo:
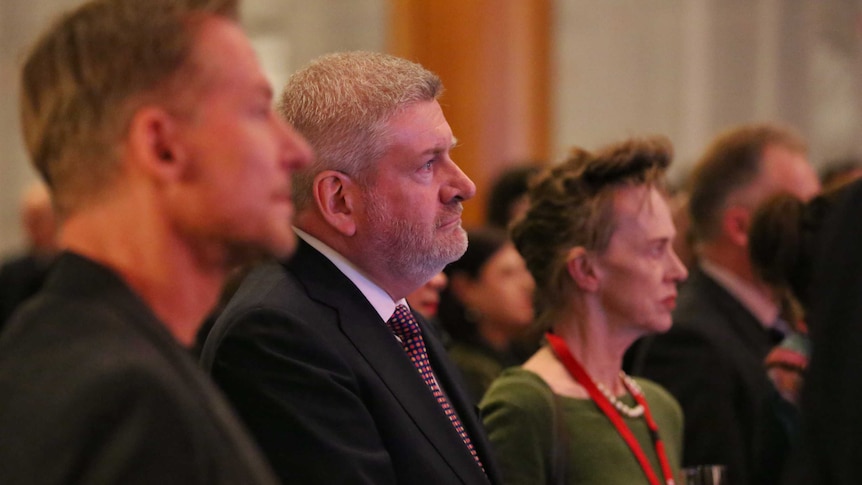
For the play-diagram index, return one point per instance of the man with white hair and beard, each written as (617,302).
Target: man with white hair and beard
(339,381)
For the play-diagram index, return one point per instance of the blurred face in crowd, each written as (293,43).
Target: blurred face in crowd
(785,170)
(426,298)
(638,272)
(235,192)
(502,294)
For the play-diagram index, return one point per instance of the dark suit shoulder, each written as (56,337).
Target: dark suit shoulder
(709,313)
(326,388)
(280,357)
(272,308)
(94,389)
(702,304)
(134,413)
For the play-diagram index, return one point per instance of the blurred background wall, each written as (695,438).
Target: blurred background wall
(526,79)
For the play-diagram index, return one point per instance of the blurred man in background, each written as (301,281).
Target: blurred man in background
(726,321)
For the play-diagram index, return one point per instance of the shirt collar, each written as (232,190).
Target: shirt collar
(379,299)
(756,301)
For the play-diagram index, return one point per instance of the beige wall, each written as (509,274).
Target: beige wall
(688,68)
(18,22)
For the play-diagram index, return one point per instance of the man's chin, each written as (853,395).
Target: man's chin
(454,247)
(663,326)
(284,248)
(281,248)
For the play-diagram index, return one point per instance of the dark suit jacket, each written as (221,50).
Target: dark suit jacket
(93,389)
(832,395)
(711,360)
(20,278)
(329,392)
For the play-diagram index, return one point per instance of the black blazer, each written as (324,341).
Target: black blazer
(20,278)
(711,360)
(329,392)
(831,396)
(93,389)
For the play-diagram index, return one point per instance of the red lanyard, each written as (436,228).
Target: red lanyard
(579,374)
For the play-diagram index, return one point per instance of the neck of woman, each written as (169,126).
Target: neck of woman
(597,347)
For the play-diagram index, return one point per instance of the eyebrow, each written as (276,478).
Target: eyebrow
(438,149)
(660,240)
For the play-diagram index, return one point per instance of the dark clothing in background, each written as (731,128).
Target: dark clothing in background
(20,278)
(711,360)
(831,425)
(480,364)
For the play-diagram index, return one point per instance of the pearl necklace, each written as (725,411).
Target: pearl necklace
(623,408)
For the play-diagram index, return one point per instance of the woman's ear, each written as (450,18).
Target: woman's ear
(582,269)
(336,196)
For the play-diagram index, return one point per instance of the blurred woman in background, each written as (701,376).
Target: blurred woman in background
(487,308)
(426,298)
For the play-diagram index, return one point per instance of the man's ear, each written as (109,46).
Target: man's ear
(582,269)
(337,196)
(154,144)
(735,223)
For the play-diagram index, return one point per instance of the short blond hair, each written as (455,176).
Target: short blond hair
(86,75)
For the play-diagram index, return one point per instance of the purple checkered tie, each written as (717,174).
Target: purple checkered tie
(405,327)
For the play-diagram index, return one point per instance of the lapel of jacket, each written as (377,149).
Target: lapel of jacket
(362,325)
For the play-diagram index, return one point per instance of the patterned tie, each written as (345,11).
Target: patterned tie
(405,327)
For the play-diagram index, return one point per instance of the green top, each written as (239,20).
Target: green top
(479,365)
(518,415)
